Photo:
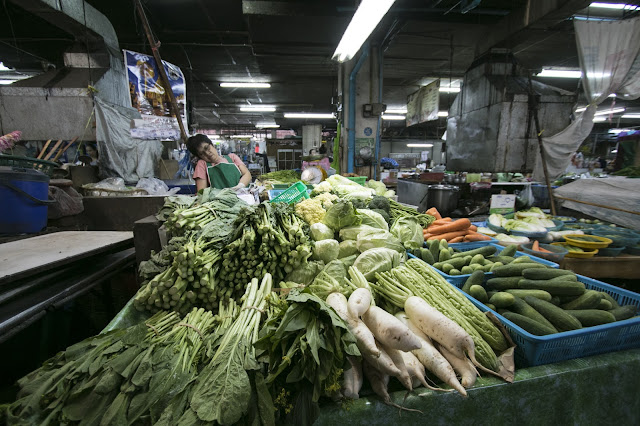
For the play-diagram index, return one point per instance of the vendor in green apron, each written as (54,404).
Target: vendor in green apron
(215,170)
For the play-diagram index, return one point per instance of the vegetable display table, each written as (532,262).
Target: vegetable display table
(602,389)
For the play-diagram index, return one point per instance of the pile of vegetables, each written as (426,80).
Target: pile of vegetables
(544,300)
(458,231)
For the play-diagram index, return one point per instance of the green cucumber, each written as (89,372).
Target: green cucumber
(443,244)
(573,278)
(560,319)
(521,293)
(555,300)
(456,263)
(426,255)
(509,250)
(444,255)
(513,270)
(485,251)
(455,271)
(523,308)
(478,292)
(591,317)
(614,302)
(466,270)
(503,283)
(545,274)
(476,278)
(504,259)
(528,324)
(605,305)
(446,268)
(590,299)
(623,312)
(477,259)
(490,306)
(434,248)
(494,266)
(523,259)
(502,299)
(554,288)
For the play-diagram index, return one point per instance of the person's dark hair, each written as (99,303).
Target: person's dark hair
(195,141)
(89,145)
(323,149)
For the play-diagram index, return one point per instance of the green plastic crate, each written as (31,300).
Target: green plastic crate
(359,179)
(293,194)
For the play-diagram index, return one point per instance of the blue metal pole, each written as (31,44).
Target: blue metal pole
(352,108)
(378,135)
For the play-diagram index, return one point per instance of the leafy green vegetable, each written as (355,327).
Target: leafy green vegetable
(351,232)
(409,231)
(326,250)
(373,219)
(320,231)
(377,260)
(347,248)
(378,238)
(305,273)
(380,202)
(340,215)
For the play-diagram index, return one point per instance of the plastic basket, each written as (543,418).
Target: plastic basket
(532,350)
(469,246)
(293,194)
(359,179)
(43,166)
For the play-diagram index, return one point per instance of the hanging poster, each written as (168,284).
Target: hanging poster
(148,94)
(423,105)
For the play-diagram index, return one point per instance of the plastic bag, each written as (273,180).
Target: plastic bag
(68,202)
(155,186)
(525,198)
(114,183)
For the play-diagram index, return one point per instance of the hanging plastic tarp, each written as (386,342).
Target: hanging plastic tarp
(121,155)
(609,53)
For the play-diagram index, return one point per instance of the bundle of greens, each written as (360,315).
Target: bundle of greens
(115,378)
(398,211)
(305,345)
(280,176)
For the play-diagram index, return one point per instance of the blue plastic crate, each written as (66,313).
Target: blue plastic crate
(532,350)
(469,246)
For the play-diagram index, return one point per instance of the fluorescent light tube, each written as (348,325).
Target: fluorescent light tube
(7,81)
(449,89)
(551,72)
(246,85)
(308,115)
(581,109)
(618,6)
(631,116)
(419,145)
(267,126)
(599,119)
(443,113)
(396,111)
(242,136)
(615,151)
(364,21)
(393,117)
(258,108)
(610,111)
(3,67)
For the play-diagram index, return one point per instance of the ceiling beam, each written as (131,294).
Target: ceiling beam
(536,14)
(289,8)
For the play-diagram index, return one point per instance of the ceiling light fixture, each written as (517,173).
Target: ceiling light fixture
(267,126)
(449,89)
(560,73)
(364,21)
(581,109)
(241,136)
(258,108)
(631,115)
(443,114)
(246,85)
(393,117)
(610,111)
(599,119)
(618,6)
(395,111)
(419,145)
(309,115)
(3,67)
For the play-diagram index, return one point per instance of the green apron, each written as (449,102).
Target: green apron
(224,175)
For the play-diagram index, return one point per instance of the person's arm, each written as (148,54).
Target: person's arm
(200,175)
(245,179)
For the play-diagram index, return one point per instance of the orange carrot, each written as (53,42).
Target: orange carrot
(456,240)
(473,228)
(458,225)
(447,236)
(535,246)
(475,237)
(426,236)
(443,221)
(434,212)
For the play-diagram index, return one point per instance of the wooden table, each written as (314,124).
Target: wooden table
(624,266)
(21,258)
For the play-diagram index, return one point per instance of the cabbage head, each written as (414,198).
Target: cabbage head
(306,273)
(373,219)
(340,215)
(320,231)
(351,232)
(377,260)
(326,250)
(348,248)
(409,231)
(378,238)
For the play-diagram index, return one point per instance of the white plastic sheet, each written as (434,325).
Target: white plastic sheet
(120,154)
(618,192)
(609,54)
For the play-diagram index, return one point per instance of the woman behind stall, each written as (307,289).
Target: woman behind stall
(215,170)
